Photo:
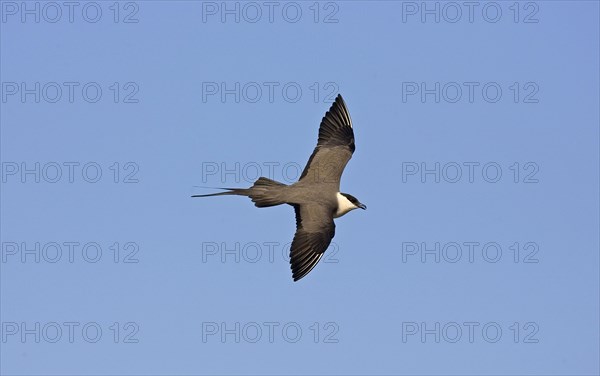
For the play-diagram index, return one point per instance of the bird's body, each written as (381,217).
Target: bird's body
(316,196)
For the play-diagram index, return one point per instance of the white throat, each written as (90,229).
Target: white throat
(344,205)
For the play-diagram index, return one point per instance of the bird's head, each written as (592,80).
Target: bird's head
(357,204)
(347,202)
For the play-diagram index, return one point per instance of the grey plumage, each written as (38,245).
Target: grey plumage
(315,197)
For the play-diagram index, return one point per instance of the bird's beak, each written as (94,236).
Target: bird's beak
(363,206)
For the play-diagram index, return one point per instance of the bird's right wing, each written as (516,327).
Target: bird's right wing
(314,231)
(334,147)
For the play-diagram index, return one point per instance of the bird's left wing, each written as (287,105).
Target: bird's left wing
(314,231)
(334,147)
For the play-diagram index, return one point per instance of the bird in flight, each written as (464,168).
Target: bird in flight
(316,196)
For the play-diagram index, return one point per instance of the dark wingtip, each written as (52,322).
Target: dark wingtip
(337,116)
(340,100)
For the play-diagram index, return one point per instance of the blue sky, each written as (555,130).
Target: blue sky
(476,152)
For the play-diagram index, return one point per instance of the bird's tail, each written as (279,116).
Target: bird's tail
(264,193)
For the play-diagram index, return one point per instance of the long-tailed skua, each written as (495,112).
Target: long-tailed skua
(316,196)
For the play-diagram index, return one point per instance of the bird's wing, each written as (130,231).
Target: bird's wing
(334,147)
(314,231)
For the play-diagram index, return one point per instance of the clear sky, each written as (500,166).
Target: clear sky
(477,133)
